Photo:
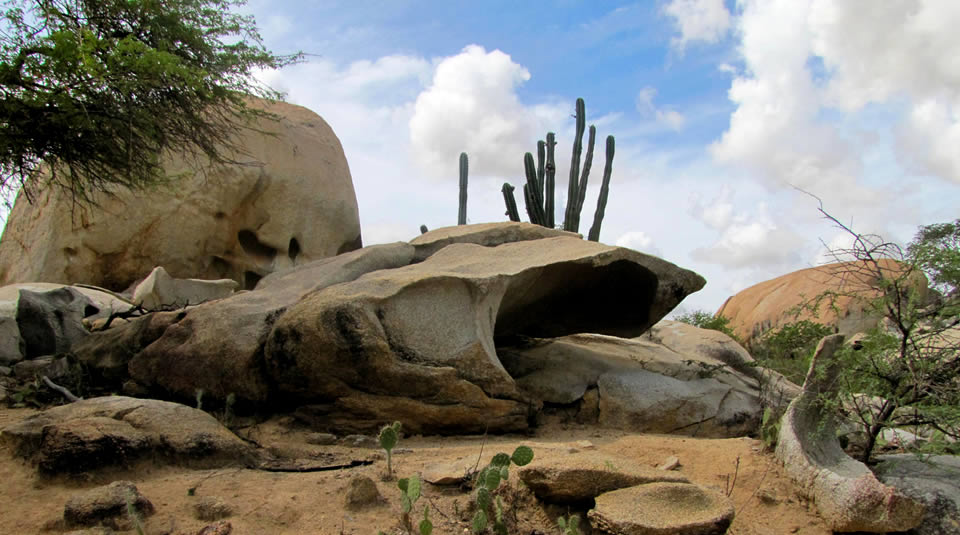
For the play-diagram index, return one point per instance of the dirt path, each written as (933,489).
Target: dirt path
(313,503)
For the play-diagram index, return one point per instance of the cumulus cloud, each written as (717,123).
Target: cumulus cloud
(472,106)
(665,116)
(698,20)
(750,242)
(717,213)
(638,241)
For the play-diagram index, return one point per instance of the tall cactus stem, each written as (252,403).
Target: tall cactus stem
(510,202)
(462,216)
(604,192)
(549,180)
(572,193)
(584,176)
(541,159)
(536,199)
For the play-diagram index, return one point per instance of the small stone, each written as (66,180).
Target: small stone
(360,441)
(577,478)
(361,493)
(134,389)
(675,508)
(93,506)
(211,508)
(447,473)
(670,463)
(6,371)
(222,527)
(585,445)
(767,497)
(321,439)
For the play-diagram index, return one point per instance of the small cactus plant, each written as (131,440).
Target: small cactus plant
(389,437)
(464,164)
(569,526)
(488,480)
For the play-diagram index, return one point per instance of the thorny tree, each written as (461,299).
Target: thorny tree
(905,372)
(96,91)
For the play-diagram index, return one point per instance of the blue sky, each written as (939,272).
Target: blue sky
(720,110)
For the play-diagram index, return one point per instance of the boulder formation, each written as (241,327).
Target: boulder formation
(847,495)
(933,480)
(373,336)
(773,303)
(289,201)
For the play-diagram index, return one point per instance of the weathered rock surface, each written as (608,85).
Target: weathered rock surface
(663,509)
(74,303)
(581,477)
(847,495)
(931,480)
(361,492)
(290,201)
(641,385)
(114,430)
(486,234)
(210,508)
(101,503)
(432,328)
(771,304)
(218,346)
(161,291)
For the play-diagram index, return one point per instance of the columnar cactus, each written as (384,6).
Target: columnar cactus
(572,185)
(604,192)
(549,179)
(510,201)
(462,217)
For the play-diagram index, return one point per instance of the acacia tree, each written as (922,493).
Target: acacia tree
(905,372)
(96,91)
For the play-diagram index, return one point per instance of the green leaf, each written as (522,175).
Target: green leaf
(480,521)
(406,504)
(505,473)
(388,438)
(492,478)
(426,527)
(403,484)
(483,498)
(522,456)
(413,488)
(500,459)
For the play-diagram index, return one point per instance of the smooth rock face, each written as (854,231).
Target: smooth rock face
(96,505)
(581,477)
(420,340)
(931,480)
(218,346)
(486,234)
(663,509)
(291,201)
(771,304)
(161,291)
(847,495)
(114,430)
(51,322)
(641,386)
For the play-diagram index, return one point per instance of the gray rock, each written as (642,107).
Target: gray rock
(218,346)
(321,439)
(5,371)
(51,322)
(110,501)
(88,434)
(847,495)
(417,344)
(662,508)
(53,367)
(486,234)
(361,493)
(932,480)
(161,291)
(640,385)
(580,477)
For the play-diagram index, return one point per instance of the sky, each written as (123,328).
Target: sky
(731,118)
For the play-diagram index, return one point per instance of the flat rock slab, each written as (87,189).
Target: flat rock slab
(114,430)
(581,477)
(486,234)
(663,509)
(932,480)
(109,501)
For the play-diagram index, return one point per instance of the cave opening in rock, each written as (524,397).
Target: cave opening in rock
(293,249)
(250,280)
(252,245)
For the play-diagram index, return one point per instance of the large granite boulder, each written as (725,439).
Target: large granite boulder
(419,343)
(773,303)
(290,200)
(486,234)
(933,480)
(116,430)
(847,495)
(637,385)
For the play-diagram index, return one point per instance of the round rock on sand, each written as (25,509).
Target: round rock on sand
(663,509)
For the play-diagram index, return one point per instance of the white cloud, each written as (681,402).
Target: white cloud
(717,213)
(471,106)
(638,241)
(748,241)
(698,20)
(665,116)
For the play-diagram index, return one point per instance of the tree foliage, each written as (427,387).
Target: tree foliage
(96,91)
(906,372)
(706,320)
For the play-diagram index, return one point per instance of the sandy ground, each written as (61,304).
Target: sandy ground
(313,503)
